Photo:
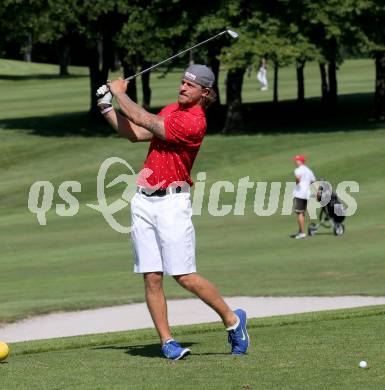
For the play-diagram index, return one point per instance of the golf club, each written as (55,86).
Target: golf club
(232,34)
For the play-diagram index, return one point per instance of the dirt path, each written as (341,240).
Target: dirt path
(181,312)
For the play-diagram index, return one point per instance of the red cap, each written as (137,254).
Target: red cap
(299,157)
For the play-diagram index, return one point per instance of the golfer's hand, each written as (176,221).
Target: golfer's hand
(117,86)
(105,103)
(100,92)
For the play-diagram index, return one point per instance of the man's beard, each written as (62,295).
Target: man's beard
(188,103)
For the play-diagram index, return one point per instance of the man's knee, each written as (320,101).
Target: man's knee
(153,281)
(185,281)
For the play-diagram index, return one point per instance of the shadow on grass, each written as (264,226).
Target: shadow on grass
(352,114)
(325,233)
(40,77)
(148,350)
(73,124)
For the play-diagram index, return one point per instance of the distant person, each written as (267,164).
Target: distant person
(262,75)
(304,177)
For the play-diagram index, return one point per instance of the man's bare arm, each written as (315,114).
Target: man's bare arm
(140,117)
(127,129)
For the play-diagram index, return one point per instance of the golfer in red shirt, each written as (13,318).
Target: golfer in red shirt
(162,231)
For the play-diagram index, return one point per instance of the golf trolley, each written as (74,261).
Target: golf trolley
(331,215)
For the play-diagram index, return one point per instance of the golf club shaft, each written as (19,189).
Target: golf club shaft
(174,56)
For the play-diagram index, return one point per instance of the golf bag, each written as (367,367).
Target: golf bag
(331,215)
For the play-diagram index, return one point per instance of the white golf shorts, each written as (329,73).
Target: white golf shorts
(162,234)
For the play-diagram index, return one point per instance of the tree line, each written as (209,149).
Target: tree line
(134,34)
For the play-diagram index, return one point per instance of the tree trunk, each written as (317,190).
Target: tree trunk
(116,64)
(214,111)
(191,60)
(214,64)
(379,95)
(300,82)
(332,76)
(275,96)
(129,70)
(324,83)
(64,57)
(107,56)
(234,83)
(146,90)
(27,49)
(100,61)
(95,78)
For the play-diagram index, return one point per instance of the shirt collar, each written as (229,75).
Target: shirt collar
(195,110)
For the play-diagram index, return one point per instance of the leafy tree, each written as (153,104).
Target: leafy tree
(329,25)
(261,35)
(210,24)
(297,31)
(143,32)
(370,18)
(276,46)
(99,23)
(153,31)
(61,29)
(21,23)
(236,56)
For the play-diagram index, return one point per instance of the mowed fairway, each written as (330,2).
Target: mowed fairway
(312,351)
(80,262)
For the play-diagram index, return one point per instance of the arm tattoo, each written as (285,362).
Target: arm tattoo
(156,124)
(141,117)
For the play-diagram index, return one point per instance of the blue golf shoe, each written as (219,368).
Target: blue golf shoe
(239,338)
(173,350)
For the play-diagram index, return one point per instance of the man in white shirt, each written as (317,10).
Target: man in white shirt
(304,177)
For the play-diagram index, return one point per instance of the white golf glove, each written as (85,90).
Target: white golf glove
(102,91)
(105,102)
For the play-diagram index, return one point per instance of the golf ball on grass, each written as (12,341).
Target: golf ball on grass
(363,364)
(4,351)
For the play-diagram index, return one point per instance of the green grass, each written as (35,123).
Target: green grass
(309,351)
(80,262)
